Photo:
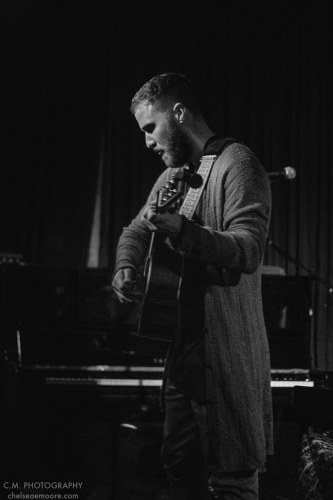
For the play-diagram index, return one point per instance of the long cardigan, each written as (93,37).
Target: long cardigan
(234,214)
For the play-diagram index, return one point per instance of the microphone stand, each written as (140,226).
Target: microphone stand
(313,274)
(308,270)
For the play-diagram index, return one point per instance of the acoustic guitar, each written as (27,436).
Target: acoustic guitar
(163,273)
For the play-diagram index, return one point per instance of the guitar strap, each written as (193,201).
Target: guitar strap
(193,196)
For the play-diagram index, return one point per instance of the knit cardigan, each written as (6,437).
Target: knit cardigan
(233,215)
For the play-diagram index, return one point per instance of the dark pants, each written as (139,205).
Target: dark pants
(185,452)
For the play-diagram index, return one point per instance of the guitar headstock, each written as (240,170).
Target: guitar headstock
(168,196)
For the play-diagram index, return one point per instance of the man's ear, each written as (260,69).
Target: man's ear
(179,112)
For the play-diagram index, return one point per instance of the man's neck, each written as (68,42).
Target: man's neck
(199,142)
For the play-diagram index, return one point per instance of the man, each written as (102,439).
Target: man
(218,417)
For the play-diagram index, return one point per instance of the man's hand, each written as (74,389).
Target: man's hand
(168,222)
(123,285)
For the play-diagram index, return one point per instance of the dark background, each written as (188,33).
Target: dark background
(263,70)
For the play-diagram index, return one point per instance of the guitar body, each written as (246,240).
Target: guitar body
(159,312)
(173,299)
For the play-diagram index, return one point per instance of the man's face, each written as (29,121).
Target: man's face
(164,135)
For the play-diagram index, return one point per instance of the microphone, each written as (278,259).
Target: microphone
(288,173)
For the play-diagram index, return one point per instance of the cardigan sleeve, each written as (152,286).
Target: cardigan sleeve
(235,238)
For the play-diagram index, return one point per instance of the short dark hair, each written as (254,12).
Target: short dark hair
(160,88)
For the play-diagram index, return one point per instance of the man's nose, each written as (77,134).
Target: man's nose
(150,142)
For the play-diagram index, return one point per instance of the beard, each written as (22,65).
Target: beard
(178,150)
